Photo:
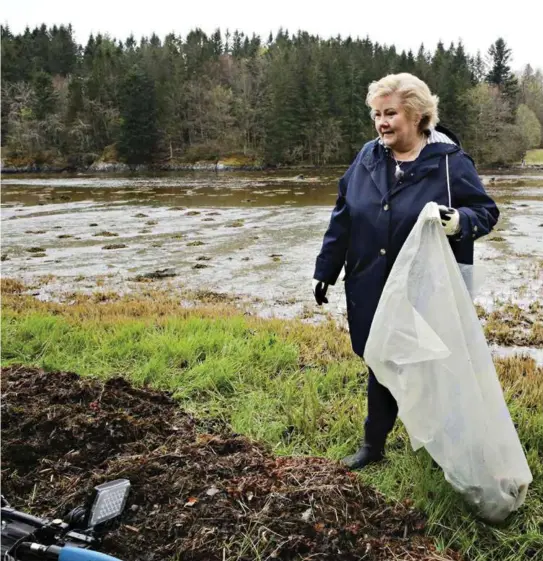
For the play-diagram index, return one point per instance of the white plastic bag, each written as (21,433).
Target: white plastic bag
(427,347)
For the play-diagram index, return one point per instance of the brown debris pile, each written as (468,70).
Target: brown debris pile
(198,491)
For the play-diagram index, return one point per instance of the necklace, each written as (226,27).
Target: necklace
(398,172)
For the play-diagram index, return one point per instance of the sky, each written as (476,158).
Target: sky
(405,24)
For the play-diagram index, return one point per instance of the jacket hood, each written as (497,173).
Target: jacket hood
(439,131)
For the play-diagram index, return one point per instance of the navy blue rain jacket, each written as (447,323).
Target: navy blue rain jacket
(370,224)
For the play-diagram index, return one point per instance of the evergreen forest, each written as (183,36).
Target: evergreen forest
(288,99)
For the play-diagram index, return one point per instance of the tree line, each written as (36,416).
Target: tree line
(290,99)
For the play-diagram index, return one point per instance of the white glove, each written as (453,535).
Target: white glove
(450,220)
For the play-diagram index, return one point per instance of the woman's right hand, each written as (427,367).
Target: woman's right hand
(319,291)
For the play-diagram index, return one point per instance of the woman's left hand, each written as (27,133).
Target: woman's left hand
(450,220)
(319,291)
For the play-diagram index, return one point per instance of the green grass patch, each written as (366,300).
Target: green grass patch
(295,386)
(534,157)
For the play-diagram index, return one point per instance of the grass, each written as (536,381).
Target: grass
(509,324)
(295,386)
(534,157)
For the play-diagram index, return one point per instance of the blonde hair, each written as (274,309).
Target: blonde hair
(415,96)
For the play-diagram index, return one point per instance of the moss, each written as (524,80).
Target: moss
(43,159)
(201,153)
(240,160)
(110,154)
(534,157)
(236,224)
(211,154)
(106,234)
(18,161)
(115,246)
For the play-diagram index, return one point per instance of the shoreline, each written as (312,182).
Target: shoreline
(123,168)
(119,167)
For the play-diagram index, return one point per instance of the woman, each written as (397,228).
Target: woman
(411,163)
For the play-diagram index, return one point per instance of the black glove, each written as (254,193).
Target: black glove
(319,291)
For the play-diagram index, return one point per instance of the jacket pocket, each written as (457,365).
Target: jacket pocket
(358,267)
(353,270)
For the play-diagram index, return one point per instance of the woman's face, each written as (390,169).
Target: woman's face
(396,128)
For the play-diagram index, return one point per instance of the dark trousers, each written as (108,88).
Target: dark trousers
(382,413)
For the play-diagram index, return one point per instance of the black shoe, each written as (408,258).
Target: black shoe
(360,459)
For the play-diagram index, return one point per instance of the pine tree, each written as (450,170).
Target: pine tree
(139,131)
(422,64)
(10,56)
(478,67)
(41,47)
(63,51)
(216,44)
(460,80)
(237,44)
(45,97)
(281,107)
(500,72)
(76,102)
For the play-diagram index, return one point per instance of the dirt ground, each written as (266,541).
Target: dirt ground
(198,492)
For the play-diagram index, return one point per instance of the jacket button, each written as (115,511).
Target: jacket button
(475,228)
(382,251)
(386,207)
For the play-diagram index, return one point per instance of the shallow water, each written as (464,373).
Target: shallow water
(250,234)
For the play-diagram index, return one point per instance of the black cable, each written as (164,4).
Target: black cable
(13,549)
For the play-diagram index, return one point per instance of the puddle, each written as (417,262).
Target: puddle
(257,233)
(504,352)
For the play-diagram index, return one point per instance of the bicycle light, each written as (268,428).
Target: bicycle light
(108,501)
